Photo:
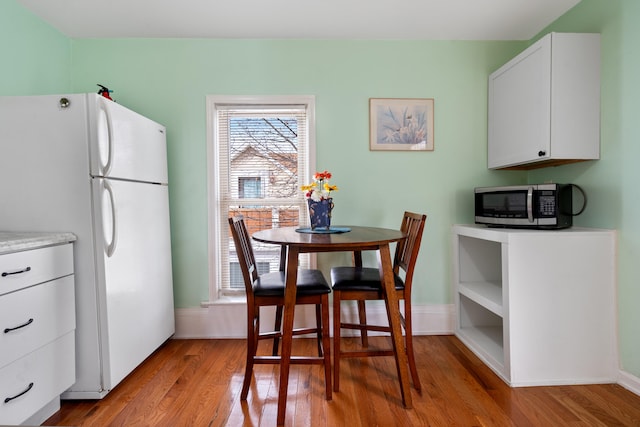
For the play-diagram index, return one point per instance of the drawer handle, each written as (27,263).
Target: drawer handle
(7,330)
(5,274)
(9,399)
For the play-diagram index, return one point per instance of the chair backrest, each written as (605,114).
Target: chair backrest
(407,250)
(244,248)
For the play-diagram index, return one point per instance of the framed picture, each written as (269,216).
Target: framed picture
(398,124)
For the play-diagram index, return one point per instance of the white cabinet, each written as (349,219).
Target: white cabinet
(37,332)
(544,104)
(538,307)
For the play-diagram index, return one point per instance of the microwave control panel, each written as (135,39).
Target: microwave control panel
(546,203)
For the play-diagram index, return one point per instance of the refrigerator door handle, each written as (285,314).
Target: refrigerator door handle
(112,241)
(105,143)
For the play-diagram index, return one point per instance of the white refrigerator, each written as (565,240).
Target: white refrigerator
(85,164)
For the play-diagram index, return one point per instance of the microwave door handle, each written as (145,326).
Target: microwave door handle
(530,204)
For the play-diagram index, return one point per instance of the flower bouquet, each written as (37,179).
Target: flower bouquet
(319,200)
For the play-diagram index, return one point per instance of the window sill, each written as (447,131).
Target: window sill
(226,300)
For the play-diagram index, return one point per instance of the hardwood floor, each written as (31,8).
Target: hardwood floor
(198,382)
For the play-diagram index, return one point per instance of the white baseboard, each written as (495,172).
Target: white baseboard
(228,320)
(630,382)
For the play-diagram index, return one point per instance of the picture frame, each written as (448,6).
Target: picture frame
(401,124)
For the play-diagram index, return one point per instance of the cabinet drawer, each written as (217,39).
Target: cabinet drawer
(41,375)
(21,269)
(34,316)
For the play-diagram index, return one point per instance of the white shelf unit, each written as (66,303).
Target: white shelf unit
(538,307)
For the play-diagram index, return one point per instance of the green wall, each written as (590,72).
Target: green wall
(35,58)
(168,80)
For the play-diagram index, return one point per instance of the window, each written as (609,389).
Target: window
(259,151)
(249,187)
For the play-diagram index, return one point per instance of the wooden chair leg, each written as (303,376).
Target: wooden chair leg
(409,345)
(319,326)
(326,345)
(336,340)
(277,327)
(252,343)
(362,319)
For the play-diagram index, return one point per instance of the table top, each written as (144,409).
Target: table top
(359,237)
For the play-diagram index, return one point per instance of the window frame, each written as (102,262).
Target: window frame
(214,102)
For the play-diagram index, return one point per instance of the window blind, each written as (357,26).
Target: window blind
(262,161)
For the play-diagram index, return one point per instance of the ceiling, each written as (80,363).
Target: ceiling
(302,19)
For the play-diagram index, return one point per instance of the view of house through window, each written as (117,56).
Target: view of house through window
(259,151)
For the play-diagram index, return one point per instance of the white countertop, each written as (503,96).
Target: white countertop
(20,241)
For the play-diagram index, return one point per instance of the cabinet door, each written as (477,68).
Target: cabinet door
(28,268)
(520,108)
(34,316)
(31,382)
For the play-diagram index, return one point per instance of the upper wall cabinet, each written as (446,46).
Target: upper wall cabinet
(544,104)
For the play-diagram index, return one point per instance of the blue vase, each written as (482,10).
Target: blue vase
(320,213)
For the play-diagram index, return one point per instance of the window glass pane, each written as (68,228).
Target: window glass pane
(263,146)
(250,188)
(261,156)
(236,280)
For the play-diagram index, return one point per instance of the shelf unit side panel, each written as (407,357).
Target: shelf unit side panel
(506,312)
(561,302)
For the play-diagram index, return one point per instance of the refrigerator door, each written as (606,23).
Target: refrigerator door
(124,144)
(134,262)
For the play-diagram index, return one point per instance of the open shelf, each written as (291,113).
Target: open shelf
(482,329)
(486,294)
(486,342)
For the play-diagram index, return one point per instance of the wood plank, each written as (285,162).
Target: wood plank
(198,382)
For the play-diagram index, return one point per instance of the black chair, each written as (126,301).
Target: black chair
(362,284)
(268,290)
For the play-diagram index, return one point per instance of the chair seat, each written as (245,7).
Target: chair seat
(359,279)
(310,282)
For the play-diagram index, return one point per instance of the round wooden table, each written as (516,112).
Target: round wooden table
(357,239)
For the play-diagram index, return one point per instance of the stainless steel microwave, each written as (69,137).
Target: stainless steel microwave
(542,206)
